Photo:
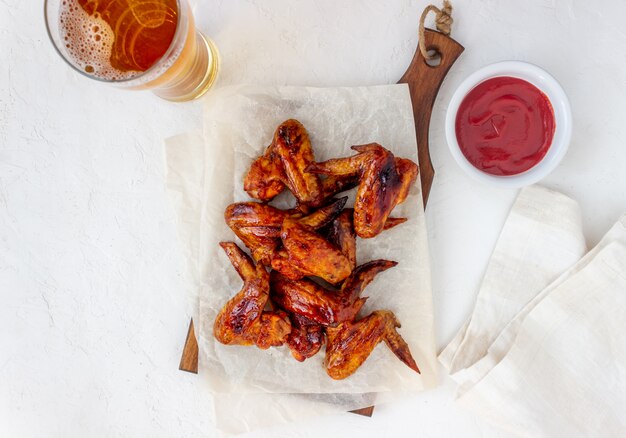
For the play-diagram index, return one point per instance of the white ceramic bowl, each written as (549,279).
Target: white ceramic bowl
(562,115)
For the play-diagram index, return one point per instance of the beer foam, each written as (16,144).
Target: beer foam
(89,42)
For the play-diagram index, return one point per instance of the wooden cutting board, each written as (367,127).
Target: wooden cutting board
(424,81)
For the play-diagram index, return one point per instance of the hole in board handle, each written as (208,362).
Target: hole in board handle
(434,58)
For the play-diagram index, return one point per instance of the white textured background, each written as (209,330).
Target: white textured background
(92,318)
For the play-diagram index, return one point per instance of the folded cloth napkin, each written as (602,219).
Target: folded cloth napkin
(558,367)
(541,238)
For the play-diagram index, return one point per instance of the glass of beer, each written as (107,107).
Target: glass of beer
(135,44)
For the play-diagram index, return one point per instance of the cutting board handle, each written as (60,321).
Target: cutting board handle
(424,81)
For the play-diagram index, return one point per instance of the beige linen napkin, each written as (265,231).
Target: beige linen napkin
(541,238)
(541,357)
(559,368)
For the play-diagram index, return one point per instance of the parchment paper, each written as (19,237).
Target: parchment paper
(205,174)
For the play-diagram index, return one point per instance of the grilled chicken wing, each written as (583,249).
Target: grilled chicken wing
(306,337)
(384,182)
(258,226)
(326,307)
(306,252)
(265,178)
(283,165)
(349,344)
(293,148)
(243,320)
(311,305)
(261,226)
(341,233)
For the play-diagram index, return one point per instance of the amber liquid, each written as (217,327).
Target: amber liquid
(142,29)
(120,39)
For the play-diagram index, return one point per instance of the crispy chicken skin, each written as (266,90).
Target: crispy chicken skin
(306,252)
(264,180)
(306,337)
(323,306)
(258,226)
(384,182)
(333,185)
(293,148)
(280,238)
(341,234)
(243,320)
(283,165)
(349,344)
(323,216)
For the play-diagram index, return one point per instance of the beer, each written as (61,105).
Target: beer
(140,44)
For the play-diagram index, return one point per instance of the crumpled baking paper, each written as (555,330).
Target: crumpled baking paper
(205,174)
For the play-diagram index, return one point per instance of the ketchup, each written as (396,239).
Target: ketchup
(505,125)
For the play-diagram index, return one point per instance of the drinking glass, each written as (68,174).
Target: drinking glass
(135,44)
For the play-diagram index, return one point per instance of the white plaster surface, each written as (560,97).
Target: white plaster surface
(92,315)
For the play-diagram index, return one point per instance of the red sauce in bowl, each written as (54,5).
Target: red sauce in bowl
(505,125)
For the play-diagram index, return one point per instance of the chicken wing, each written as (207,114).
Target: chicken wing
(384,182)
(283,165)
(341,233)
(323,306)
(333,185)
(305,252)
(349,344)
(265,178)
(306,337)
(258,226)
(261,228)
(243,320)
